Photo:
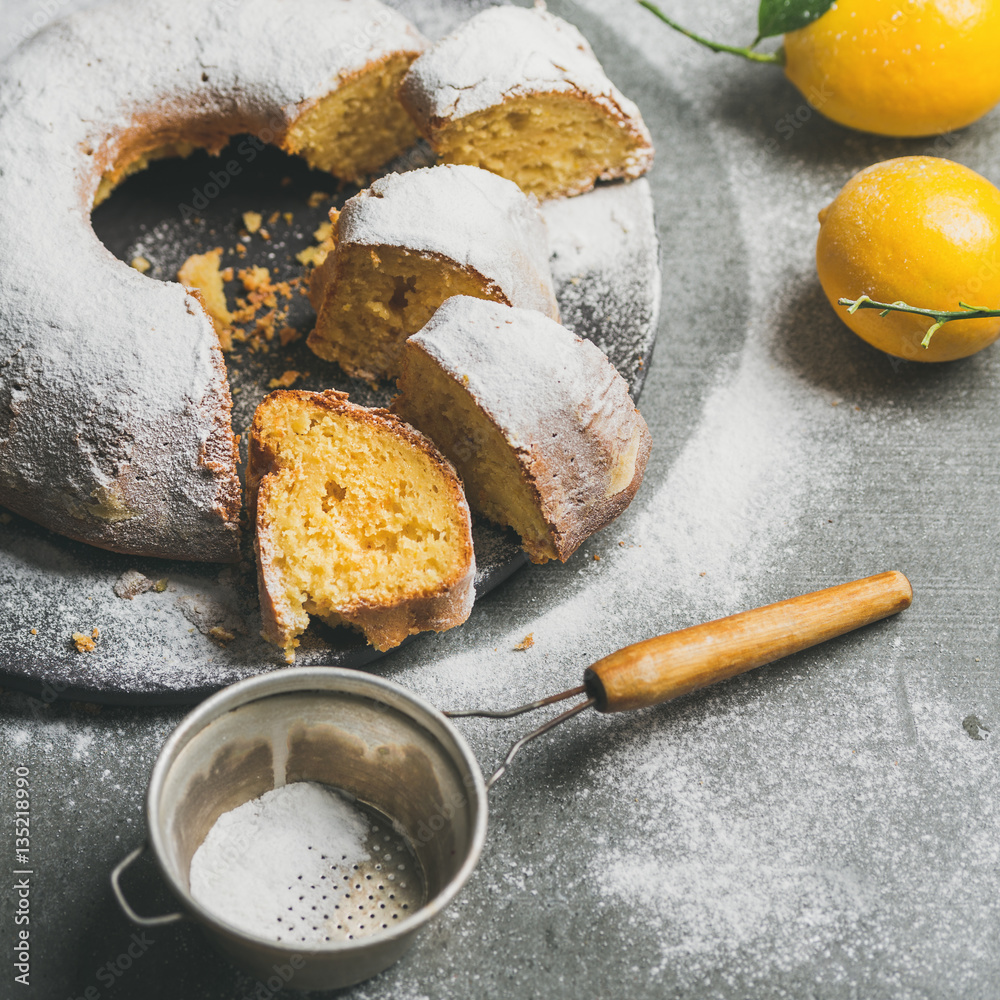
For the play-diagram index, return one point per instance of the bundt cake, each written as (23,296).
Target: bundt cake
(409,242)
(537,421)
(116,405)
(359,521)
(520,92)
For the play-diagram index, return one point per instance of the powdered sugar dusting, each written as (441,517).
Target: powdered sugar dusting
(751,877)
(259,859)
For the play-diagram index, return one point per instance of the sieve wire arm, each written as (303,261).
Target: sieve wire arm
(541,730)
(516,746)
(484,713)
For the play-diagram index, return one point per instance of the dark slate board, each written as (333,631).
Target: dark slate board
(154,649)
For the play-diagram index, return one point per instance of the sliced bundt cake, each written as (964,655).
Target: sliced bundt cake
(359,520)
(117,414)
(521,93)
(409,242)
(537,421)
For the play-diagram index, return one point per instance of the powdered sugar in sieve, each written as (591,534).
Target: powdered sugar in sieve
(303,864)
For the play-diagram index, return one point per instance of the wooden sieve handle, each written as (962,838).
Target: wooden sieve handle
(668,666)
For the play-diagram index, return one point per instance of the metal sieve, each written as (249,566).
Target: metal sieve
(408,768)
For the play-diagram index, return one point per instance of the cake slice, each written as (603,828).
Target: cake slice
(537,421)
(520,92)
(409,242)
(361,124)
(359,519)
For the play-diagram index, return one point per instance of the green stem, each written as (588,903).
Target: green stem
(775,58)
(965,311)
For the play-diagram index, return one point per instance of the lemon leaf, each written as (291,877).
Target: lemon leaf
(775,17)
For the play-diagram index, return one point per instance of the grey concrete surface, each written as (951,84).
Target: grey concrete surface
(823,828)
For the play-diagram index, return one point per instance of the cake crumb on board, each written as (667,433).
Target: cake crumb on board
(86,643)
(316,254)
(289,378)
(203,274)
(527,642)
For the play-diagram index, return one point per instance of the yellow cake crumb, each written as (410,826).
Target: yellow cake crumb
(140,264)
(527,642)
(288,379)
(220,634)
(84,643)
(255,278)
(287,334)
(315,255)
(34,631)
(310,256)
(201,273)
(317,198)
(262,294)
(252,221)
(287,216)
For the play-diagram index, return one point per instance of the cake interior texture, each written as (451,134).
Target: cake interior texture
(379,296)
(349,132)
(549,144)
(358,127)
(353,516)
(495,484)
(203,273)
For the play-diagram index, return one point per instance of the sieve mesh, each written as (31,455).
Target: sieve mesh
(355,899)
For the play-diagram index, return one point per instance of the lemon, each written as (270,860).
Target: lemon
(922,230)
(905,69)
